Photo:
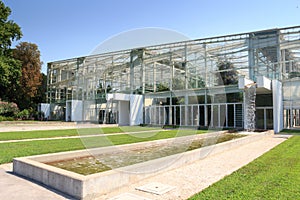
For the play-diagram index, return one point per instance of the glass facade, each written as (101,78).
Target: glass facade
(191,83)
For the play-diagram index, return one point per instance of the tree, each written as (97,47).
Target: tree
(161,87)
(9,30)
(10,68)
(178,83)
(31,78)
(10,72)
(40,97)
(228,75)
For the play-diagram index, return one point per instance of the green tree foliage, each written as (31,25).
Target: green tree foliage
(196,82)
(40,97)
(10,68)
(294,74)
(31,79)
(228,75)
(9,30)
(178,83)
(161,87)
(10,72)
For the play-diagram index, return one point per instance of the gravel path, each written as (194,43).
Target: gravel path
(44,125)
(187,180)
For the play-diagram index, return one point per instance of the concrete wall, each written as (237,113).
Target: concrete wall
(136,103)
(136,109)
(89,111)
(45,108)
(124,113)
(243,82)
(263,82)
(76,108)
(88,187)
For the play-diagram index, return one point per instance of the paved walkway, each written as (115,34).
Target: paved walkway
(187,180)
(80,136)
(45,125)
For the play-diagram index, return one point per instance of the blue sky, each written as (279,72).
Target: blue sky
(70,28)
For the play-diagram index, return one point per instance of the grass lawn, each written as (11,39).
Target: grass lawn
(275,175)
(69,132)
(290,132)
(8,151)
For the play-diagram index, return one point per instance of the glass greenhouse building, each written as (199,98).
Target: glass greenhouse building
(231,81)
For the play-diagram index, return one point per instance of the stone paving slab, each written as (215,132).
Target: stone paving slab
(13,187)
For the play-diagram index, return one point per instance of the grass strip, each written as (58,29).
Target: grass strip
(19,135)
(290,132)
(8,151)
(275,175)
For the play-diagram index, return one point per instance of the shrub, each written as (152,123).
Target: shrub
(8,109)
(294,74)
(24,114)
(2,118)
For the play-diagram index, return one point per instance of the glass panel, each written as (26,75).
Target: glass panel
(260,119)
(202,116)
(223,115)
(167,115)
(156,116)
(297,118)
(161,115)
(230,111)
(195,115)
(182,114)
(215,116)
(173,115)
(208,115)
(147,116)
(269,116)
(238,115)
(177,114)
(189,115)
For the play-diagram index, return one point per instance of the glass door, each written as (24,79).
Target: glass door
(260,118)
(264,118)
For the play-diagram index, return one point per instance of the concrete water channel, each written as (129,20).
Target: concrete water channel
(88,173)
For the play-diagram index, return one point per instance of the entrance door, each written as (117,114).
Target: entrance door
(264,118)
(68,111)
(124,111)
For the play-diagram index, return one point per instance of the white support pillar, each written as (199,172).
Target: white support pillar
(277,106)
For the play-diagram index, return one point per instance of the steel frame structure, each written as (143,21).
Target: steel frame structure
(182,69)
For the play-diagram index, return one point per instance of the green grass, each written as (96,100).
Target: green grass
(8,151)
(275,175)
(36,134)
(68,132)
(290,132)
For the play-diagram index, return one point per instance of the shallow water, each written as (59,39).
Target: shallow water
(120,158)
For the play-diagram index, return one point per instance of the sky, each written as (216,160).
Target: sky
(65,29)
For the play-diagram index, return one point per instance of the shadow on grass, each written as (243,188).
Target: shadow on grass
(290,132)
